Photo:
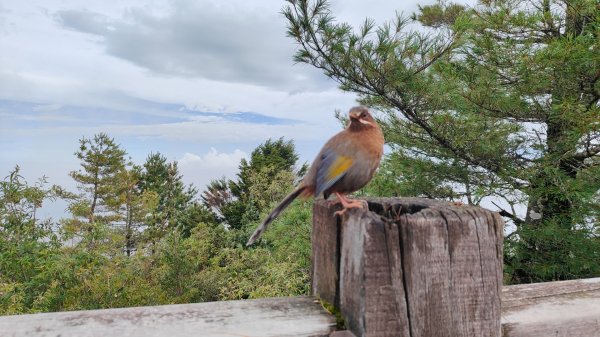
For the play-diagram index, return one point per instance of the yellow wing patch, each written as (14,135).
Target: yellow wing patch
(338,167)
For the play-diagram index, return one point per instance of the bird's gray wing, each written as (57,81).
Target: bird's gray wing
(332,167)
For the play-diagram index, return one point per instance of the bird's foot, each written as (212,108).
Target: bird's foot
(346,204)
(343,210)
(340,212)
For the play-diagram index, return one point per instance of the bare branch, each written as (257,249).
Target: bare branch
(518,221)
(589,152)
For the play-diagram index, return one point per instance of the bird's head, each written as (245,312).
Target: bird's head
(360,117)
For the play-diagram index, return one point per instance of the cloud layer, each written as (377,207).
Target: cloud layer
(201,39)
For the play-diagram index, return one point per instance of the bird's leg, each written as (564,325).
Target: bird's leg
(347,204)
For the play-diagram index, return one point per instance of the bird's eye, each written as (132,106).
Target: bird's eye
(363,115)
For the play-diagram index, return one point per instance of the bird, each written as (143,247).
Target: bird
(345,164)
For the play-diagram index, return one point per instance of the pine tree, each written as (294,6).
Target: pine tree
(499,101)
(134,207)
(278,155)
(240,202)
(174,197)
(95,208)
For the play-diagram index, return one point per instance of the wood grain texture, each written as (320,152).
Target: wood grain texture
(524,294)
(476,259)
(558,309)
(295,316)
(325,238)
(371,299)
(563,309)
(418,267)
(426,266)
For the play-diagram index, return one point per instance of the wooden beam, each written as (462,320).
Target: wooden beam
(294,316)
(557,309)
(562,309)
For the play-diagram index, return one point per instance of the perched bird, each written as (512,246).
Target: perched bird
(345,164)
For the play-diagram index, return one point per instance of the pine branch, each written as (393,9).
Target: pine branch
(517,221)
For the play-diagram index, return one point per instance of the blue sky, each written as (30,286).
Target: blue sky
(203,82)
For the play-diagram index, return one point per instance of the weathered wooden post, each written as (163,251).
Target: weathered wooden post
(410,267)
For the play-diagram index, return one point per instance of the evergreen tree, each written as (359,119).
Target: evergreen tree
(217,196)
(276,155)
(134,207)
(499,101)
(163,179)
(241,202)
(95,209)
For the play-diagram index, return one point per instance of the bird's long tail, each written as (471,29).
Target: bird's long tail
(274,213)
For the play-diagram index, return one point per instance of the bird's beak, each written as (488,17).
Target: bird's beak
(355,115)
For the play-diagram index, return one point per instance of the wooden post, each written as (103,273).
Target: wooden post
(410,267)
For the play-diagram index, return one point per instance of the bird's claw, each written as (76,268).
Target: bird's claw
(340,212)
(351,204)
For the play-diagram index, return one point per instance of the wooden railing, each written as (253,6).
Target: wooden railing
(405,267)
(557,309)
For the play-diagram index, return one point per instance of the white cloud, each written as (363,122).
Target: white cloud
(201,169)
(201,39)
(45,63)
(225,132)
(202,132)
(47,107)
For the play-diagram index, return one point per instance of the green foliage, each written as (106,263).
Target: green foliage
(133,207)
(552,252)
(269,185)
(102,180)
(174,198)
(268,175)
(340,322)
(279,266)
(399,177)
(498,101)
(27,245)
(101,161)
(148,241)
(279,155)
(439,14)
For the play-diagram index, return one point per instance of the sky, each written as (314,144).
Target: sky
(203,82)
